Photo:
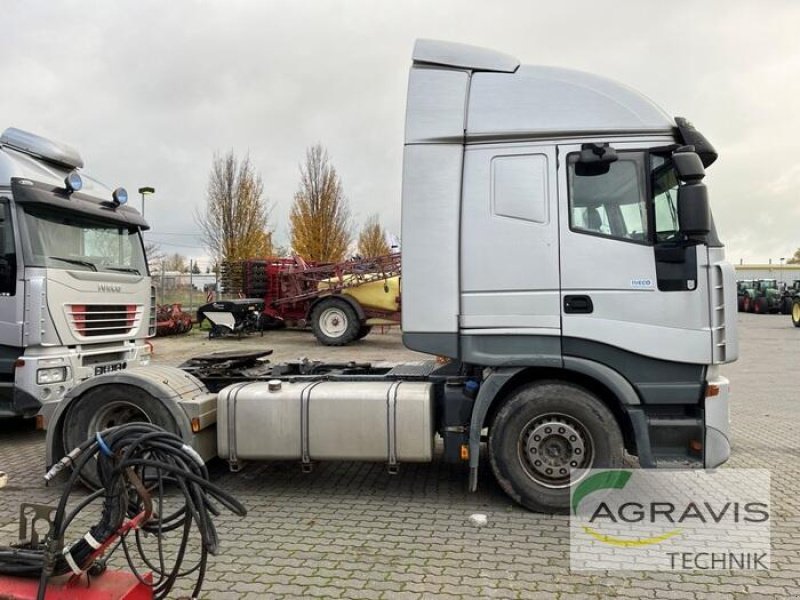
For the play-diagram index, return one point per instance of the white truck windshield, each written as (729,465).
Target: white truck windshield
(64,240)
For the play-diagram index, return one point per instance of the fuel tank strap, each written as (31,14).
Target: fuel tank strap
(391,422)
(305,400)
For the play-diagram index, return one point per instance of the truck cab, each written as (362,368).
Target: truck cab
(552,228)
(75,293)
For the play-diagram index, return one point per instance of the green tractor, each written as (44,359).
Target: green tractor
(745,294)
(768,297)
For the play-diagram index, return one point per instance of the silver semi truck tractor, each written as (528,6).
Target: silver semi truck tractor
(75,295)
(560,253)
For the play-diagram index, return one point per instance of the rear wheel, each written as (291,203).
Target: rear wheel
(364,331)
(544,434)
(796,312)
(747,305)
(108,406)
(760,305)
(334,322)
(740,303)
(786,305)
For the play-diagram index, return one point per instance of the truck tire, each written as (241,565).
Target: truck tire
(106,406)
(796,312)
(334,322)
(760,305)
(364,331)
(545,430)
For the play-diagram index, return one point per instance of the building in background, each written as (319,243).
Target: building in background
(781,273)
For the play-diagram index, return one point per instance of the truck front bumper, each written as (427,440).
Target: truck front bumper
(717,445)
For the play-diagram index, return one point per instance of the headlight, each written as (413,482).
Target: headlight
(73,182)
(52,375)
(120,196)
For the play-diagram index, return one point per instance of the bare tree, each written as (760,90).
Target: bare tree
(320,216)
(153,254)
(372,239)
(235,225)
(176,262)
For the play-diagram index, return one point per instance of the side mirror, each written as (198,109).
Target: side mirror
(694,215)
(595,159)
(688,164)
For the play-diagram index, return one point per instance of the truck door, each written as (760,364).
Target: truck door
(10,308)
(509,253)
(10,303)
(613,232)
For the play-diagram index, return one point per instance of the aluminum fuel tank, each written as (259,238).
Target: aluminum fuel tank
(326,420)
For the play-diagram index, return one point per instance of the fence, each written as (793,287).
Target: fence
(187,289)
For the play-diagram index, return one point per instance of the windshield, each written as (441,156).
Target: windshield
(64,240)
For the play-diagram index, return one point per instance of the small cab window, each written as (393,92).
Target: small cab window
(519,187)
(611,204)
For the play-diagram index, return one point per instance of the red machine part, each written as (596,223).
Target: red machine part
(111,585)
(172,320)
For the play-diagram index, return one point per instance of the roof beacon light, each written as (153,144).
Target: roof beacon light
(73,182)
(120,196)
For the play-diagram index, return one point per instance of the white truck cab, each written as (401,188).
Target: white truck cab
(75,293)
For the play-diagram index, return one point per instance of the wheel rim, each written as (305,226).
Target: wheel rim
(552,447)
(796,312)
(117,413)
(333,322)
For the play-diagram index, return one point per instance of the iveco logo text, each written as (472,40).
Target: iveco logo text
(108,287)
(641,283)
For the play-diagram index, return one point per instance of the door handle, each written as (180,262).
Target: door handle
(578,304)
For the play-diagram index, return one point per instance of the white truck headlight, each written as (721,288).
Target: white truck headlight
(52,375)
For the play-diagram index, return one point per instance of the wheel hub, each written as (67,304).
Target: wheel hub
(333,322)
(117,413)
(552,447)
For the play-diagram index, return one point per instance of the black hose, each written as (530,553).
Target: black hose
(138,465)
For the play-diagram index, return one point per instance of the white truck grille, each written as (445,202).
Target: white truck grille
(91,320)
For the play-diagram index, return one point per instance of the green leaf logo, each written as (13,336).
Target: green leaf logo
(599,481)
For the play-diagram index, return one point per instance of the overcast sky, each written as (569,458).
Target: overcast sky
(148,91)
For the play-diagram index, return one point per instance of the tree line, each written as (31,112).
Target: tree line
(236,221)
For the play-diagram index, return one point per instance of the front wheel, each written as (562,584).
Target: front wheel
(544,434)
(786,305)
(108,406)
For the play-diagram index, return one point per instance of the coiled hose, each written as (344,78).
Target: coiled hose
(140,466)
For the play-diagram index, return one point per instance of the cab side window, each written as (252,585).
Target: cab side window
(611,204)
(8,255)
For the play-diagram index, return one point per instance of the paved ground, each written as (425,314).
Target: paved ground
(352,531)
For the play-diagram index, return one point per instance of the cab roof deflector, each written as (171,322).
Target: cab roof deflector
(462,56)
